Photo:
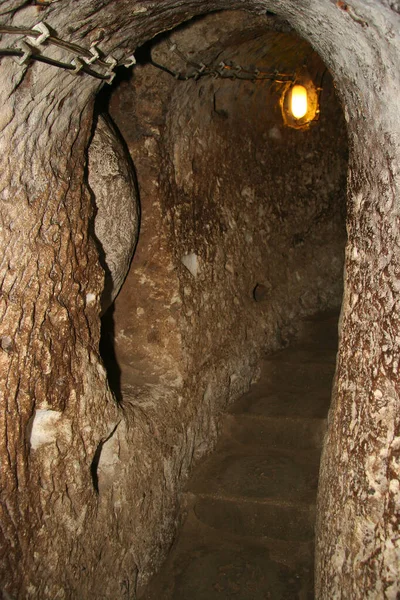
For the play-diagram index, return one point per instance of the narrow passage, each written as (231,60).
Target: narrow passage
(249,530)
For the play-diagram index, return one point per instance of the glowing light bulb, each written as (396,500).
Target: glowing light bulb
(298,101)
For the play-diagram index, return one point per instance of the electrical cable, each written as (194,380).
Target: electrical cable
(225,72)
(202,70)
(55,41)
(41,35)
(55,63)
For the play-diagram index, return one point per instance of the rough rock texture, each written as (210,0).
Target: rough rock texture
(219,218)
(116,222)
(255,203)
(250,506)
(84,508)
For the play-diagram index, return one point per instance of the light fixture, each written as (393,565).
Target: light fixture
(299,102)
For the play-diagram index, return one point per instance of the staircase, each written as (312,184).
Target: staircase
(249,530)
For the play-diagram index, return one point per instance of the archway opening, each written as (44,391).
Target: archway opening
(243,216)
(59,414)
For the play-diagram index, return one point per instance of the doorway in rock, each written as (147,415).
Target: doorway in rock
(243,217)
(242,225)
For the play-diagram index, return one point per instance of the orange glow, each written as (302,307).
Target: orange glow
(298,101)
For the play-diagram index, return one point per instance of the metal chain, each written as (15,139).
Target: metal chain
(41,36)
(224,70)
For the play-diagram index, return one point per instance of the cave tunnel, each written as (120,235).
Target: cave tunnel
(243,221)
(166,239)
(243,216)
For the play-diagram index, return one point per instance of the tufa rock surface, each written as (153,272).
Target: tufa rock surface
(116,223)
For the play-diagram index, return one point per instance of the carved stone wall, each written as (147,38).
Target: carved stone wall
(88,487)
(243,218)
(116,222)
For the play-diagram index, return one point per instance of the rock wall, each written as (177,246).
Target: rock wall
(116,221)
(259,207)
(89,510)
(232,202)
(242,232)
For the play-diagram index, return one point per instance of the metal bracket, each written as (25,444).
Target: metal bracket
(95,55)
(110,60)
(77,63)
(130,61)
(27,53)
(44,34)
(111,76)
(221,70)
(110,73)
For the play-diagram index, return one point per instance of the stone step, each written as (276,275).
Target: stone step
(258,473)
(250,505)
(299,377)
(286,432)
(320,330)
(305,354)
(282,403)
(205,565)
(256,519)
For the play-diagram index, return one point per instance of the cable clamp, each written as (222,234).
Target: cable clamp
(111,76)
(27,53)
(221,68)
(203,67)
(95,54)
(44,34)
(77,63)
(112,62)
(130,61)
